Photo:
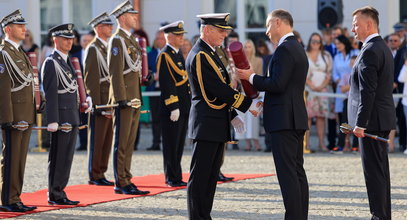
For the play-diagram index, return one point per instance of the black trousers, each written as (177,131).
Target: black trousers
(343,118)
(287,148)
(155,108)
(205,166)
(401,123)
(332,128)
(173,146)
(60,162)
(83,133)
(375,163)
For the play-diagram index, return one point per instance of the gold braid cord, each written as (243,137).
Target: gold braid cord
(200,80)
(177,70)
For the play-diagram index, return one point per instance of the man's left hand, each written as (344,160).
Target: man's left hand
(244,74)
(359,132)
(256,107)
(238,125)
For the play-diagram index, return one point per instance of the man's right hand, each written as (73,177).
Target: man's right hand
(52,127)
(122,104)
(175,115)
(7,126)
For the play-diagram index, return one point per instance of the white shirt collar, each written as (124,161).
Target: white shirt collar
(369,38)
(103,42)
(284,37)
(16,45)
(209,45)
(176,50)
(125,31)
(64,56)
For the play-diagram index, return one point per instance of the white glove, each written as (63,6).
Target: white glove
(90,104)
(238,125)
(174,115)
(52,127)
(256,107)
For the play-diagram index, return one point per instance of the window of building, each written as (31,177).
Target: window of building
(247,16)
(55,12)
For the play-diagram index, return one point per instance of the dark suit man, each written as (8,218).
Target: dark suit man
(124,61)
(17,106)
(285,115)
(97,83)
(175,102)
(371,108)
(61,93)
(212,112)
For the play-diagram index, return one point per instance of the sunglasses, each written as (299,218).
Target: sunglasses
(315,42)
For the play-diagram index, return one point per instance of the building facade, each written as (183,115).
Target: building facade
(248,15)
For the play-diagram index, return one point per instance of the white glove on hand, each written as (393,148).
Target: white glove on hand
(238,125)
(90,104)
(52,127)
(256,107)
(174,115)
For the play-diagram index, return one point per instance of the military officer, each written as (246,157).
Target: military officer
(17,106)
(175,101)
(124,63)
(97,81)
(212,111)
(61,93)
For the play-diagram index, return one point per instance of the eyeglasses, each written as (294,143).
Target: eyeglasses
(315,42)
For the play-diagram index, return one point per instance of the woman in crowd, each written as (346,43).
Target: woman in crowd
(341,67)
(251,135)
(318,80)
(28,44)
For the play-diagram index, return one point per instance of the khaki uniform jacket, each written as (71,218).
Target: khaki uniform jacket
(96,78)
(18,105)
(123,87)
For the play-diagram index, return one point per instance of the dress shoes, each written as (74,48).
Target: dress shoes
(176,183)
(130,190)
(17,207)
(101,182)
(64,201)
(154,148)
(223,178)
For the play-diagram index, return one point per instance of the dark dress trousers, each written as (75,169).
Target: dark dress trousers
(62,107)
(175,94)
(213,104)
(285,119)
(100,135)
(17,104)
(371,106)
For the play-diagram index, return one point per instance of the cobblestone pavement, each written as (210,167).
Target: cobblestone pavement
(337,189)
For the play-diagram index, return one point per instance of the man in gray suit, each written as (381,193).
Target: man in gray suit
(371,108)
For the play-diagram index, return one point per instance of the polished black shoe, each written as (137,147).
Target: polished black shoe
(64,201)
(101,182)
(223,178)
(17,207)
(130,190)
(176,184)
(154,148)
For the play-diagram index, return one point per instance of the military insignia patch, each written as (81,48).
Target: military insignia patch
(115,51)
(2,68)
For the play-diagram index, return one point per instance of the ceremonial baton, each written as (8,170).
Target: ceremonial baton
(347,129)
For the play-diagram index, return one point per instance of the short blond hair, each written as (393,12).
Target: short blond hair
(368,11)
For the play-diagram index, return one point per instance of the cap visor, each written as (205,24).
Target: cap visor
(19,22)
(179,32)
(226,27)
(66,36)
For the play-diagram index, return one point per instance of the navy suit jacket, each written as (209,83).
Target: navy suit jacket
(370,102)
(60,108)
(284,106)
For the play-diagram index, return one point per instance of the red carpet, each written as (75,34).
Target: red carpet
(90,194)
